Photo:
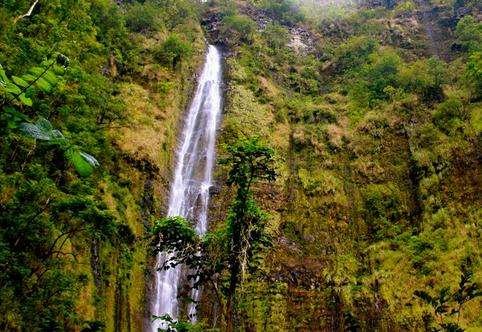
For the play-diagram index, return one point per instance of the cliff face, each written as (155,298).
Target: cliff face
(374,111)
(147,146)
(377,196)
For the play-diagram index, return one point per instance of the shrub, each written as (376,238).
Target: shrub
(448,114)
(373,79)
(425,78)
(405,7)
(176,12)
(143,17)
(473,73)
(382,208)
(354,53)
(172,51)
(276,35)
(284,10)
(469,33)
(237,28)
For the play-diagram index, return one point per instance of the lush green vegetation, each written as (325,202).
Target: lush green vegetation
(222,258)
(376,207)
(370,116)
(77,190)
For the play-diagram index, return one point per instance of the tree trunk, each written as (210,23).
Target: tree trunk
(229,314)
(233,283)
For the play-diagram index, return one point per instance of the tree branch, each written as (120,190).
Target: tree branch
(28,13)
(219,298)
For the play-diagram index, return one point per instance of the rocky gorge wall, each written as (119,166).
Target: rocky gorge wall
(365,211)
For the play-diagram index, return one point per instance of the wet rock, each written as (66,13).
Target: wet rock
(461,12)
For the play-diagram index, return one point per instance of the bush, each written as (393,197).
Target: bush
(373,79)
(143,17)
(473,73)
(172,51)
(382,207)
(276,36)
(354,53)
(176,12)
(425,78)
(284,10)
(469,33)
(405,7)
(237,29)
(449,114)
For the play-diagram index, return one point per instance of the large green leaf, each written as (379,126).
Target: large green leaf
(50,77)
(34,131)
(43,130)
(43,85)
(14,117)
(58,70)
(90,159)
(3,77)
(82,166)
(12,88)
(20,81)
(37,71)
(29,77)
(44,125)
(14,113)
(25,100)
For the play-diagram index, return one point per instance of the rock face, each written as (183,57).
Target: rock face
(334,164)
(302,39)
(212,23)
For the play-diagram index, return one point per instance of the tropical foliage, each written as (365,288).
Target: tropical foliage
(370,112)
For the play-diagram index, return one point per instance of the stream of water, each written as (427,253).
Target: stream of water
(189,196)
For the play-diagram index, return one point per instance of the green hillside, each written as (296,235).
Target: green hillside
(369,113)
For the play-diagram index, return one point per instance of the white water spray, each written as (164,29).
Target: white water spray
(189,197)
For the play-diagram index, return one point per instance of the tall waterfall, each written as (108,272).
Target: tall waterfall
(189,196)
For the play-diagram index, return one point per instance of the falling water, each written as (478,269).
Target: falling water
(189,195)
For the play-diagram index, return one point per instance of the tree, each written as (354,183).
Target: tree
(175,237)
(143,17)
(250,161)
(473,74)
(233,249)
(469,33)
(375,77)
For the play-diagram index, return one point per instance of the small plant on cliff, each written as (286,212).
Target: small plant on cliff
(448,304)
(237,29)
(172,51)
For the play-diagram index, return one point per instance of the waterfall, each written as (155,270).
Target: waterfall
(189,196)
